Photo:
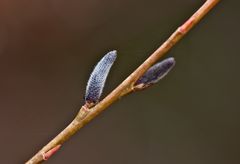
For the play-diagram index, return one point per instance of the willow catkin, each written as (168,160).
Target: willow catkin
(98,77)
(156,72)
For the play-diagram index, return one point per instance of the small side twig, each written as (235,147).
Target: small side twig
(88,112)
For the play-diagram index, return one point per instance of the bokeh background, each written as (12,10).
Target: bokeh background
(49,47)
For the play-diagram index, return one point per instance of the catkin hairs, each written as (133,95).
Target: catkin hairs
(98,77)
(156,72)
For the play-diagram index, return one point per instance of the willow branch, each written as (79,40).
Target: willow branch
(89,112)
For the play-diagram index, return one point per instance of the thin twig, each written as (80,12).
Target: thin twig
(87,112)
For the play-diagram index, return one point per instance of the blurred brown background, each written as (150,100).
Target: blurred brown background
(49,47)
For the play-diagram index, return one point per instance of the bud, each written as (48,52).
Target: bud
(98,77)
(155,73)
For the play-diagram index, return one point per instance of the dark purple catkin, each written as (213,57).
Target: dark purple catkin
(156,72)
(98,77)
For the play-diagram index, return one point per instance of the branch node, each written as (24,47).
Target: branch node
(186,26)
(84,111)
(49,153)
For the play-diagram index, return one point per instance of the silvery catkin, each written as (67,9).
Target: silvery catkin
(156,72)
(98,77)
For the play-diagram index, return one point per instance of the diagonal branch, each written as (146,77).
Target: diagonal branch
(87,112)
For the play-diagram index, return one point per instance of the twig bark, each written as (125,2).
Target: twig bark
(87,112)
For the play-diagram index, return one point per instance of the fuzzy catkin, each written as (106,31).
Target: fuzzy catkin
(98,77)
(156,72)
